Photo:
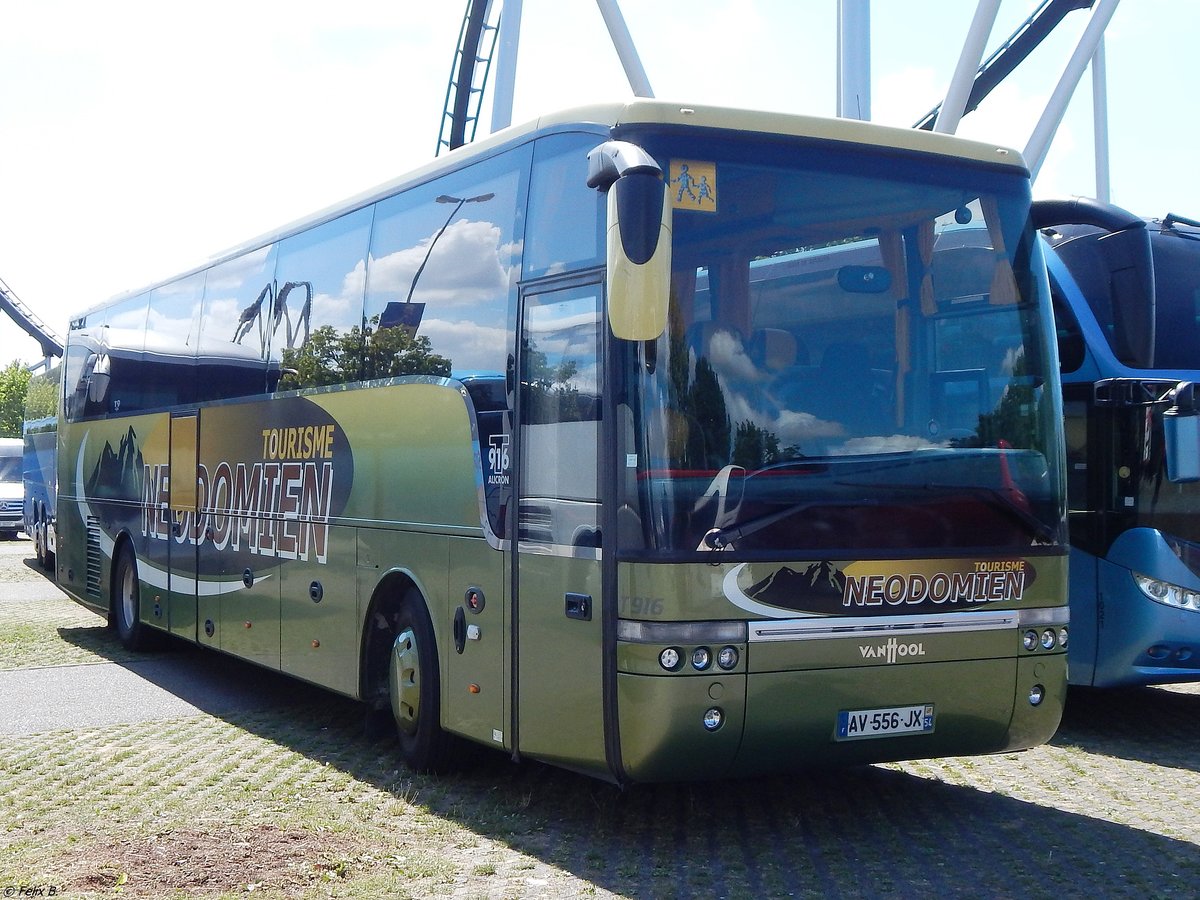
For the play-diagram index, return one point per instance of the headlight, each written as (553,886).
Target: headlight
(1030,639)
(1048,639)
(701,658)
(669,659)
(713,719)
(1168,594)
(727,658)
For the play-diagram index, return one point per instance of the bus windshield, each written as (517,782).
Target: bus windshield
(851,361)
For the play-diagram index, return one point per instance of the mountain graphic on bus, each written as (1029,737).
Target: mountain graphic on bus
(117,474)
(818,588)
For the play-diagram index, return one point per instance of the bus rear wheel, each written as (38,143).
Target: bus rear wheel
(39,545)
(415,689)
(41,542)
(127,602)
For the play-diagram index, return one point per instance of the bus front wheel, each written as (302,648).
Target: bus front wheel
(415,690)
(127,602)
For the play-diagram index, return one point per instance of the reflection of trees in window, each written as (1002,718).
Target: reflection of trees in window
(754,447)
(699,427)
(551,391)
(708,445)
(1011,422)
(333,357)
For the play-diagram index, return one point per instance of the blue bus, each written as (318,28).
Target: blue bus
(39,476)
(1126,296)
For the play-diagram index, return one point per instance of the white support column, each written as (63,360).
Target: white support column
(627,52)
(1056,107)
(854,59)
(1100,123)
(959,91)
(506,64)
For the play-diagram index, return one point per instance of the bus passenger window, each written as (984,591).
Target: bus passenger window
(560,408)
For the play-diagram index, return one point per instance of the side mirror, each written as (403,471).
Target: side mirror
(639,256)
(638,237)
(97,391)
(1181,431)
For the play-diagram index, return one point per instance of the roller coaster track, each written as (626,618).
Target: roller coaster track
(29,322)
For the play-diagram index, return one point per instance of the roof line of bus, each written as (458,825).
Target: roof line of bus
(605,117)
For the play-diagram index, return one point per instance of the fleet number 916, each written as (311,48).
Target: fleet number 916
(642,606)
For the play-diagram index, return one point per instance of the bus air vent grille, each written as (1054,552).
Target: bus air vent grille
(93,557)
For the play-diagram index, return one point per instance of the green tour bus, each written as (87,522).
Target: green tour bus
(652,441)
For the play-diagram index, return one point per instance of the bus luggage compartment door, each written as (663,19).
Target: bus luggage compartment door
(182,514)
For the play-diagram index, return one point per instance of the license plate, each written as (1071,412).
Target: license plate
(853,724)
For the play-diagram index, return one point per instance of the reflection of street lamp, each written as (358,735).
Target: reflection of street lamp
(458,204)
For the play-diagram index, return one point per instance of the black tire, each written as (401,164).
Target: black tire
(39,549)
(126,602)
(414,686)
(48,565)
(41,543)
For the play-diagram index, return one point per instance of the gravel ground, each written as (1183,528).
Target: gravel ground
(221,790)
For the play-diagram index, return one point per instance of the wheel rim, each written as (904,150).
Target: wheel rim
(128,596)
(404,679)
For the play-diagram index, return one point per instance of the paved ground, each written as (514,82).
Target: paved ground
(1110,807)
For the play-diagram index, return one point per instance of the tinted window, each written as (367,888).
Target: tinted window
(560,388)
(444,262)
(316,326)
(1177,295)
(237,318)
(566,217)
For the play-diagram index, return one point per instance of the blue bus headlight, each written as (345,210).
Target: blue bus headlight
(1166,593)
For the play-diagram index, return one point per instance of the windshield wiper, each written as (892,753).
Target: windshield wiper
(725,537)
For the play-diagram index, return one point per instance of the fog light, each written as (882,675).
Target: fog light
(1062,637)
(1037,694)
(713,719)
(1048,639)
(701,658)
(669,659)
(727,658)
(1030,639)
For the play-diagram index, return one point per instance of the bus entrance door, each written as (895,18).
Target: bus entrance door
(181,582)
(560,684)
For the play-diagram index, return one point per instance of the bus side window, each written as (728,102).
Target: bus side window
(1071,349)
(235,321)
(566,217)
(560,408)
(444,262)
(316,323)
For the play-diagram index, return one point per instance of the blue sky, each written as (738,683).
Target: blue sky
(139,138)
